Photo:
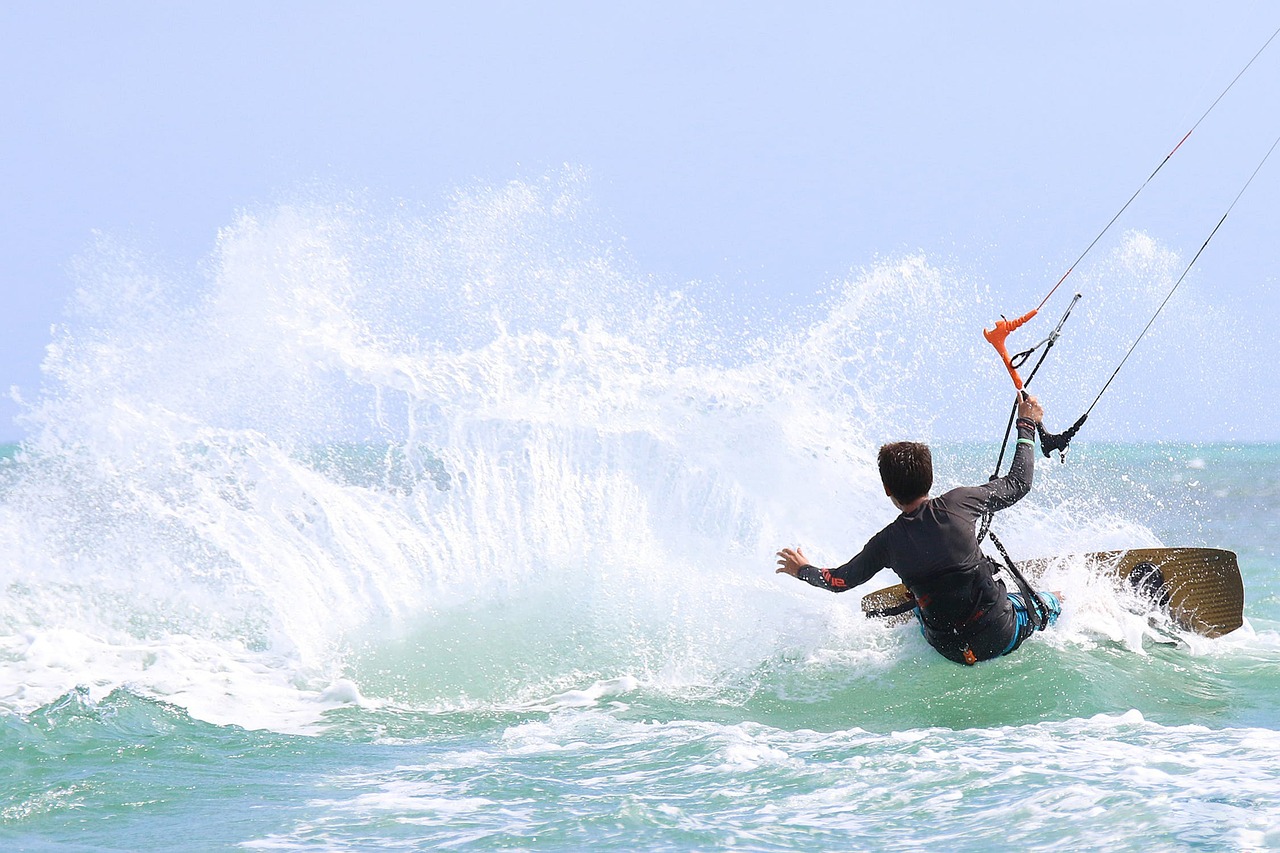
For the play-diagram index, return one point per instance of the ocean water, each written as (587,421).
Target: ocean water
(382,531)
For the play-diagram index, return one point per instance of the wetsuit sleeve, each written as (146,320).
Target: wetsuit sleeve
(871,559)
(1012,487)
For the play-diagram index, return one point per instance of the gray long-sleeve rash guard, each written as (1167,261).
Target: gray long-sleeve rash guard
(935,551)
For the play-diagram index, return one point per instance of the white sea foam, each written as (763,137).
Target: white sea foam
(1103,780)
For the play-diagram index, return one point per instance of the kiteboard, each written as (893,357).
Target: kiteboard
(1199,588)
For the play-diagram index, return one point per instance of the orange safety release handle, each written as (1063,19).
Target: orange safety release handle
(996,338)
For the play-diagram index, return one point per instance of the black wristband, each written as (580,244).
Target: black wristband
(1026,422)
(810,573)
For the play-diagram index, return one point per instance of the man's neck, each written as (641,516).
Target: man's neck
(909,508)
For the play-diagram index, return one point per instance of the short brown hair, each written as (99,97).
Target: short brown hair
(906,469)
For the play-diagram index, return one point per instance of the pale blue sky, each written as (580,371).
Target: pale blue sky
(770,147)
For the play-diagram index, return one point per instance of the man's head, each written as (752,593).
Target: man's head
(906,468)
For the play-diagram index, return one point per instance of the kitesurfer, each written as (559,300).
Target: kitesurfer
(965,612)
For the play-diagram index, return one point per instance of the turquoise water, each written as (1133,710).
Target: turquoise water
(389,535)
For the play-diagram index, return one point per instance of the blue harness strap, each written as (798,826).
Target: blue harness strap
(1024,628)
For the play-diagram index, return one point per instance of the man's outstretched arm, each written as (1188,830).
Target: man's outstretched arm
(791,561)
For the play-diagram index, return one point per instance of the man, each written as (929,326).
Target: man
(965,613)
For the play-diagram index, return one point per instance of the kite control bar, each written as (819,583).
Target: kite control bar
(996,337)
